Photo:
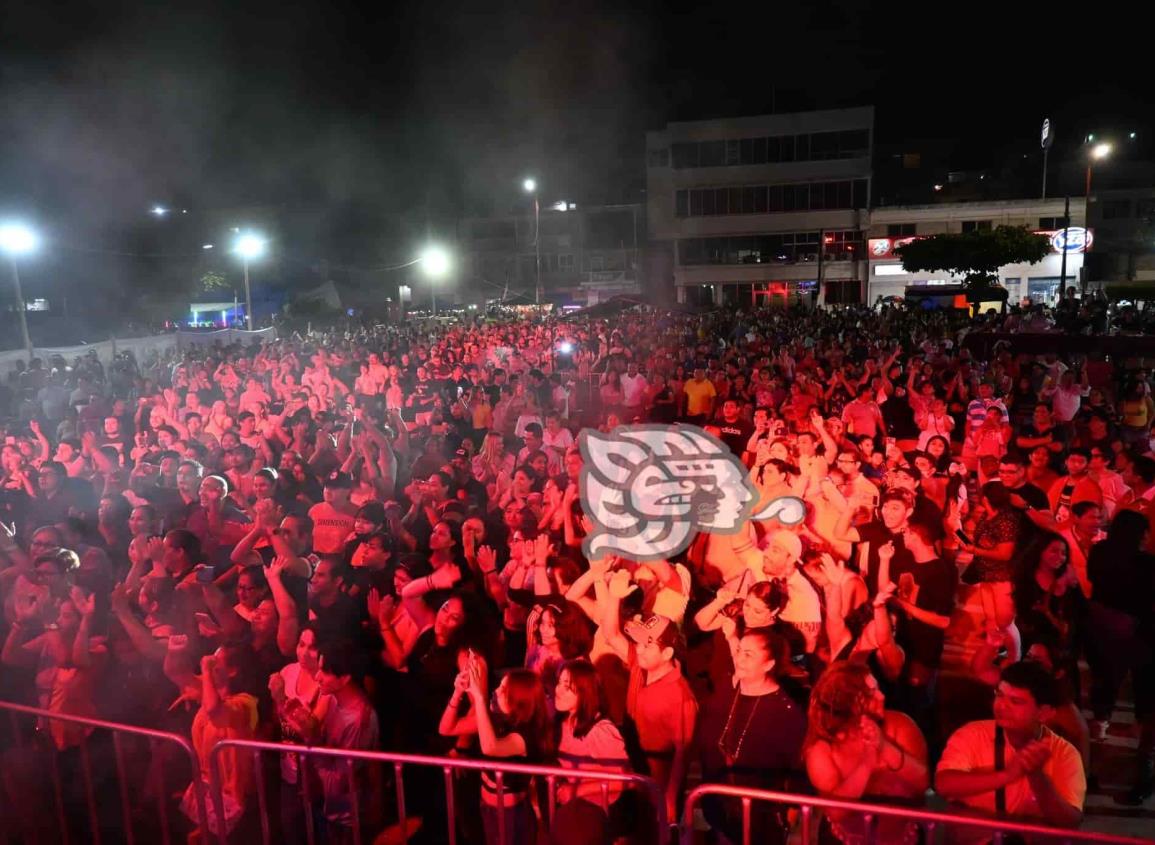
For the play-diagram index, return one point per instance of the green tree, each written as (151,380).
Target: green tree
(976,256)
(213,281)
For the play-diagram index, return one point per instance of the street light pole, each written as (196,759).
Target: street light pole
(23,310)
(248,295)
(537,244)
(1098,152)
(17,239)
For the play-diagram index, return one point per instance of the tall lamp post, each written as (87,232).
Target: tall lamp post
(530,186)
(16,240)
(249,247)
(1098,152)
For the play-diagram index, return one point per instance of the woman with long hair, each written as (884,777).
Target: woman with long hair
(514,725)
(460,624)
(1122,577)
(731,616)
(558,632)
(750,735)
(995,527)
(226,690)
(299,706)
(856,749)
(1047,594)
(590,741)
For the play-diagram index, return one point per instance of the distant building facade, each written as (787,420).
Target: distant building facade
(587,254)
(894,225)
(1124,225)
(761,209)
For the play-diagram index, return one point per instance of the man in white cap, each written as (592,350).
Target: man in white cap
(780,556)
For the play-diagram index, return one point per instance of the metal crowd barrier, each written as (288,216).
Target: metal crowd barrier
(930,822)
(447,766)
(20,824)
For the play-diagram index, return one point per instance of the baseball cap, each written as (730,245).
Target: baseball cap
(655,629)
(339,479)
(788,542)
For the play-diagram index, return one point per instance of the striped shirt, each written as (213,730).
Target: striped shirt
(977,411)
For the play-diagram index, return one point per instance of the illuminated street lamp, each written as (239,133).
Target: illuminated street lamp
(16,240)
(530,186)
(435,262)
(1097,152)
(249,247)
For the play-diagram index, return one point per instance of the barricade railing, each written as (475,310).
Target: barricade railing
(447,766)
(42,733)
(930,822)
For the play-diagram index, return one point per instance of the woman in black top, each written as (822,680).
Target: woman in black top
(1048,601)
(515,724)
(1122,578)
(751,735)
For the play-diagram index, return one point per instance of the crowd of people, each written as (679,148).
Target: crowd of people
(371,538)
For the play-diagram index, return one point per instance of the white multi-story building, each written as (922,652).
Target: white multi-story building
(761,208)
(893,226)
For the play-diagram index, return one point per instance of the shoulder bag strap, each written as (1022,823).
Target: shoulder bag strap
(1001,792)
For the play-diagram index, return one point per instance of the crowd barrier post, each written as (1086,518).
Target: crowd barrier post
(929,821)
(117,732)
(447,766)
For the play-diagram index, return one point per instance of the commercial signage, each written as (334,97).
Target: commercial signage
(1075,239)
(885,247)
(1046,137)
(1071,239)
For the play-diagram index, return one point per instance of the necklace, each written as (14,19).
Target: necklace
(732,757)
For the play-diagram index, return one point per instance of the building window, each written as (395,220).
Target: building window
(1116,209)
(770,199)
(901,230)
(660,158)
(565,261)
(1145,209)
(814,146)
(976,226)
(1050,223)
(597,262)
(776,249)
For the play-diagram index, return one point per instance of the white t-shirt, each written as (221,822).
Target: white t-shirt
(633,389)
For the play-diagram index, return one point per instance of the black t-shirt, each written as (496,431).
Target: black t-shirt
(339,621)
(735,435)
(935,584)
(1035,498)
(875,534)
(763,741)
(926,512)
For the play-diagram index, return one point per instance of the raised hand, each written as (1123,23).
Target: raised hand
(884,594)
(277,687)
(541,549)
(85,605)
(155,550)
(620,584)
(478,679)
(277,568)
(833,570)
(486,558)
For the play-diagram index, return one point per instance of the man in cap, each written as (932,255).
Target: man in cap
(660,706)
(780,556)
(333,518)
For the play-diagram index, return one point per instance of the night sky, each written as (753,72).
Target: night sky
(352,111)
